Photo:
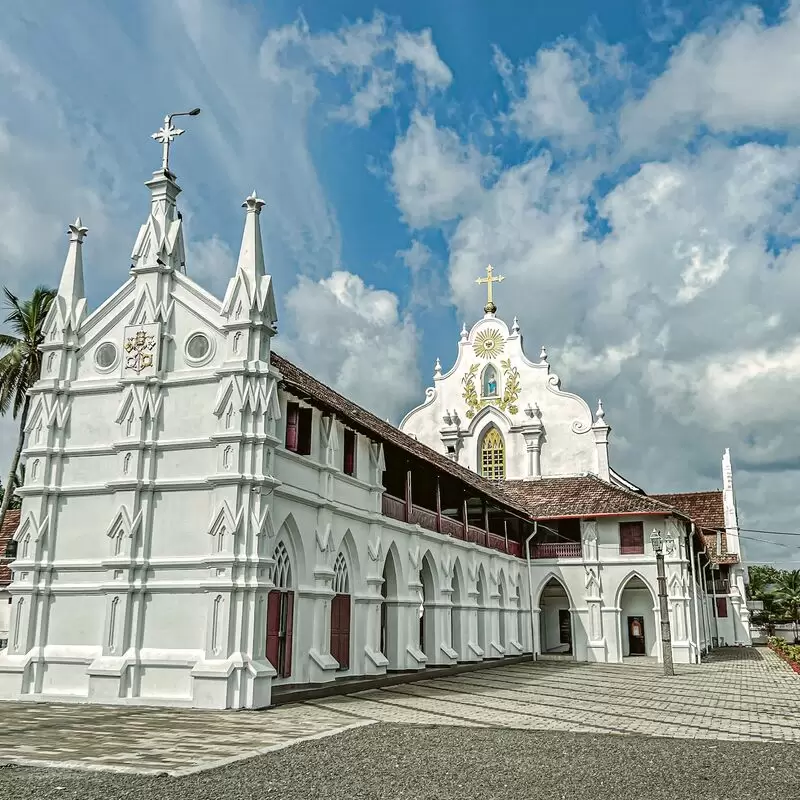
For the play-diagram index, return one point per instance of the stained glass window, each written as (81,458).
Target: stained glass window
(493,455)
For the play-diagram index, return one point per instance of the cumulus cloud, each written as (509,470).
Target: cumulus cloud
(436,177)
(355,338)
(736,75)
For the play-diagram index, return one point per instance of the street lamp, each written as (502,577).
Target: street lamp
(657,541)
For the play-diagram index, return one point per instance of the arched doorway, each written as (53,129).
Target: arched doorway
(389,612)
(427,628)
(340,613)
(637,619)
(280,613)
(555,619)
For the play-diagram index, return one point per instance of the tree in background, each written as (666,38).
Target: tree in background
(761,579)
(787,595)
(20,367)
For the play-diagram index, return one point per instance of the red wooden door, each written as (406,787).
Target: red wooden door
(274,628)
(340,630)
(288,628)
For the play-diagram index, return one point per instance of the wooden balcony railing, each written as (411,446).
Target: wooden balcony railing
(558,550)
(395,508)
(453,527)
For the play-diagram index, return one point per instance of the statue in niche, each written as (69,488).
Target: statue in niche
(490,382)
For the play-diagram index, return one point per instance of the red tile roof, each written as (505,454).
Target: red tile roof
(705,508)
(707,511)
(10,525)
(580,496)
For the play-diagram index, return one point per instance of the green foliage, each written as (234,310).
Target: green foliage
(761,578)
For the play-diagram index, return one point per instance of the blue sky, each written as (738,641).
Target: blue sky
(631,168)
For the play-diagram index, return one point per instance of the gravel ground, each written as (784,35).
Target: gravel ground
(390,762)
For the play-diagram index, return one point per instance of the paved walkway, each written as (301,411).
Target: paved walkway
(741,694)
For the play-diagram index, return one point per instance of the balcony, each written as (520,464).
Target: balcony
(719,586)
(556,550)
(395,508)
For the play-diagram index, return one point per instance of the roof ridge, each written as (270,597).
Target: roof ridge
(631,493)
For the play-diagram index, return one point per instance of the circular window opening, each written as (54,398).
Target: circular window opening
(105,356)
(198,346)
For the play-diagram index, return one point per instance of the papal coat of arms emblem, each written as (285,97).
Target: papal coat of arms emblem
(141,349)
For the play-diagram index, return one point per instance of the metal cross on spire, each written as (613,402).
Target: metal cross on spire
(167,132)
(490,278)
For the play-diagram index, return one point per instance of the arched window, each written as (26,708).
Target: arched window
(490,381)
(493,455)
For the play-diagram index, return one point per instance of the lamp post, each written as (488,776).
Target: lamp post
(657,541)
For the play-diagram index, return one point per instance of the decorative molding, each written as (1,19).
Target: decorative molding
(375,549)
(325,539)
(224,517)
(263,524)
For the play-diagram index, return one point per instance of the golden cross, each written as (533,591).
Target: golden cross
(490,278)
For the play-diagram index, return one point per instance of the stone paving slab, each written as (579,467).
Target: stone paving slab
(741,694)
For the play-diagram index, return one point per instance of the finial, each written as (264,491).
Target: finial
(533,411)
(600,414)
(490,307)
(253,203)
(437,369)
(167,132)
(464,332)
(543,355)
(515,326)
(446,418)
(77,232)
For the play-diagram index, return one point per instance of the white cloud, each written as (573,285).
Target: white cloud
(369,55)
(552,106)
(435,176)
(736,76)
(354,338)
(420,51)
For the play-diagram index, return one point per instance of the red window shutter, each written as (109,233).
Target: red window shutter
(631,538)
(304,431)
(273,627)
(722,606)
(292,416)
(287,653)
(349,452)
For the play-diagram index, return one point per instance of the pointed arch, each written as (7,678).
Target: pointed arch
(429,576)
(348,547)
(483,594)
(502,587)
(634,573)
(289,533)
(282,574)
(392,572)
(551,576)
(457,597)
(492,454)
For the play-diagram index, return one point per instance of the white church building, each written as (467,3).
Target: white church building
(203,522)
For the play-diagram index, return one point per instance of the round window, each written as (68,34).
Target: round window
(198,346)
(105,356)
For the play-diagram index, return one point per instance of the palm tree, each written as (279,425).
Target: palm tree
(21,367)
(787,593)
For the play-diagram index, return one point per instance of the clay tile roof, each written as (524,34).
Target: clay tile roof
(303,385)
(705,508)
(584,495)
(707,511)
(10,524)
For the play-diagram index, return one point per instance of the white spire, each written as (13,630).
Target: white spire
(251,287)
(71,302)
(251,253)
(437,369)
(71,286)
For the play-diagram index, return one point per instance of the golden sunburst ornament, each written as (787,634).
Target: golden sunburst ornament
(488,344)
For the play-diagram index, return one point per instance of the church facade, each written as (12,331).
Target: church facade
(203,523)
